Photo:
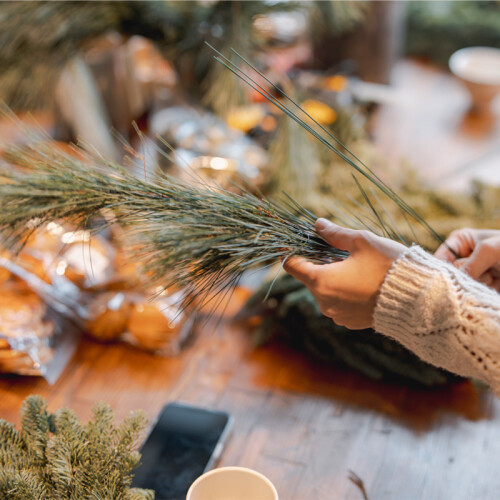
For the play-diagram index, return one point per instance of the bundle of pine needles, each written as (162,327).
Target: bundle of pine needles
(192,236)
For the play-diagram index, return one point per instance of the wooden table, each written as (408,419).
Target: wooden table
(304,424)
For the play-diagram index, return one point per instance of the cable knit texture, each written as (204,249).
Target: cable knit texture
(444,316)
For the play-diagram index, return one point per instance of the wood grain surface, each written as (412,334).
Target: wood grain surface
(300,422)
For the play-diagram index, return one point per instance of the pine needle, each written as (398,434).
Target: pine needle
(189,236)
(322,134)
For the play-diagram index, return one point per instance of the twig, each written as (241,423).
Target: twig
(357,481)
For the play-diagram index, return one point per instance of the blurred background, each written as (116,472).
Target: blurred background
(375,71)
(411,88)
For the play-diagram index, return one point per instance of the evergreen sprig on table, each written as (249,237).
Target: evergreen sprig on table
(55,456)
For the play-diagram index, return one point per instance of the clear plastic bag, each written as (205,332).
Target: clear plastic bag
(68,281)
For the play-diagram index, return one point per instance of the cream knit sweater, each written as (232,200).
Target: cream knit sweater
(444,316)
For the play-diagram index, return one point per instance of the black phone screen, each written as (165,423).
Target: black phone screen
(179,449)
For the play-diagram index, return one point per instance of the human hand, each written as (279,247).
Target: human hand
(346,291)
(479,254)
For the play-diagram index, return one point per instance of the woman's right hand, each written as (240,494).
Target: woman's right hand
(479,254)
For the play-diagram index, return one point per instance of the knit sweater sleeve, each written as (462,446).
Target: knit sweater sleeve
(444,316)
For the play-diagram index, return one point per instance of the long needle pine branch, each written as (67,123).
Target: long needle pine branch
(190,236)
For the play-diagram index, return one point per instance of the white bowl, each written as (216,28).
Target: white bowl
(479,70)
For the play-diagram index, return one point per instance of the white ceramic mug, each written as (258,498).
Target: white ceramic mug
(232,483)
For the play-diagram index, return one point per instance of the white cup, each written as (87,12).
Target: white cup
(232,483)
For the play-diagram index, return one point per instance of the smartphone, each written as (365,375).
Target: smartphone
(185,442)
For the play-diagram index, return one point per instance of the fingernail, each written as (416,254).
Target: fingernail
(321,224)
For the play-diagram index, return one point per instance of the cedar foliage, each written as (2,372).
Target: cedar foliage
(55,456)
(292,314)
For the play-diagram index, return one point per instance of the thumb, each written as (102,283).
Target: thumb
(338,236)
(481,259)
